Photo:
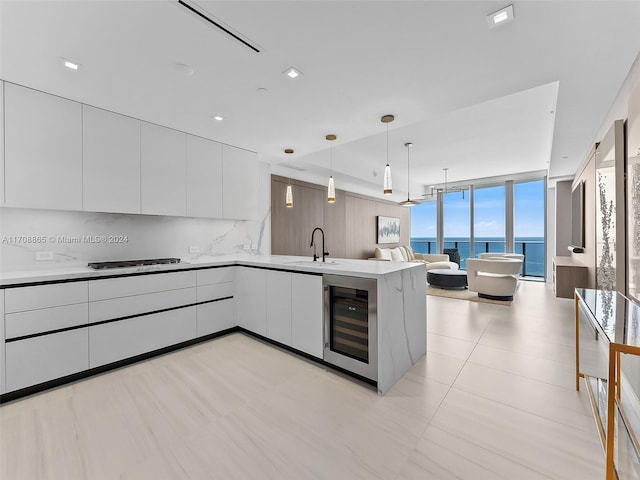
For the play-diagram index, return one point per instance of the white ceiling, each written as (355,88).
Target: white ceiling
(526,96)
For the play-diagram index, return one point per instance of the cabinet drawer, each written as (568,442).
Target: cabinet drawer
(213,292)
(215,275)
(43,296)
(39,359)
(45,319)
(215,317)
(137,304)
(115,341)
(138,285)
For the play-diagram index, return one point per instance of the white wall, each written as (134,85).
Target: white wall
(147,236)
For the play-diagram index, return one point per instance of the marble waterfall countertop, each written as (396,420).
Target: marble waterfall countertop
(335,266)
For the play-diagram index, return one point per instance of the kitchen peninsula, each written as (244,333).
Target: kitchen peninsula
(65,324)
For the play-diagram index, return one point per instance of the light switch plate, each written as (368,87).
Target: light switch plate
(44,256)
(193,249)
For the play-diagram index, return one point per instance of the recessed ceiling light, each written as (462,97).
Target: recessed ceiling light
(500,17)
(218,118)
(70,65)
(288,151)
(292,72)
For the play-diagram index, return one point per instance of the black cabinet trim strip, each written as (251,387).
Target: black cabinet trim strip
(111,320)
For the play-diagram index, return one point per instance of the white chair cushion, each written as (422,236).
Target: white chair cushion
(383,253)
(396,255)
(410,255)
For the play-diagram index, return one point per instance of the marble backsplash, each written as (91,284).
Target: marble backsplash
(76,238)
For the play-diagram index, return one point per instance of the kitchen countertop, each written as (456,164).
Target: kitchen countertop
(335,266)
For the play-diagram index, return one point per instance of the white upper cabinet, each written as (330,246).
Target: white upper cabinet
(240,183)
(111,161)
(204,177)
(164,171)
(43,150)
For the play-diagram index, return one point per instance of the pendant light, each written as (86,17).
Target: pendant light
(288,198)
(387,185)
(408,202)
(331,189)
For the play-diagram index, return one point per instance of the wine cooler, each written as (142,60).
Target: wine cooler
(350,324)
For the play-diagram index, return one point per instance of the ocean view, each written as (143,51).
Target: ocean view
(531,247)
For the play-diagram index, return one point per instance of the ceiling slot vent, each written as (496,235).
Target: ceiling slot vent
(293,167)
(215,22)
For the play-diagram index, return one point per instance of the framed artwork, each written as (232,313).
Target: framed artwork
(388,229)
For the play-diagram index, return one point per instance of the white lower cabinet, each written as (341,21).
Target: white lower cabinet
(122,339)
(215,316)
(39,359)
(306,314)
(282,306)
(251,301)
(279,306)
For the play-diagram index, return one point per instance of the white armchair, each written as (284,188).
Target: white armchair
(493,278)
(517,256)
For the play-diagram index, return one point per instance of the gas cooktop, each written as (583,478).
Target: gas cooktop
(132,263)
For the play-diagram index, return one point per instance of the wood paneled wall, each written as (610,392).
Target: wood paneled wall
(350,224)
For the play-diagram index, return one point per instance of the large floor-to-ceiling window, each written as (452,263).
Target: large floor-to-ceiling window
(501,216)
(528,203)
(489,219)
(423,227)
(456,210)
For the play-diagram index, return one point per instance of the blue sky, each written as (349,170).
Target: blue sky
(489,213)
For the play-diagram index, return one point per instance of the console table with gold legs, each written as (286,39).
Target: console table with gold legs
(608,359)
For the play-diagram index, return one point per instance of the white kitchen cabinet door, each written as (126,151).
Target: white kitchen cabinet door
(112,308)
(240,184)
(163,171)
(251,301)
(215,316)
(279,306)
(44,296)
(111,161)
(43,150)
(140,285)
(204,177)
(39,359)
(115,341)
(307,314)
(20,324)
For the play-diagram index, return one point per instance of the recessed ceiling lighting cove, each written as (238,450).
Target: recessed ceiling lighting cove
(292,72)
(500,17)
(70,65)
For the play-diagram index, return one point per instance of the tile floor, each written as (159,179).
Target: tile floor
(493,399)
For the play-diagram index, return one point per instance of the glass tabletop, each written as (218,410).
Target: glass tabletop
(616,315)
